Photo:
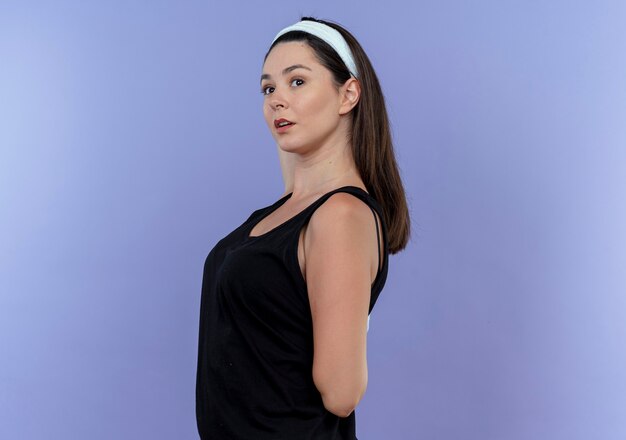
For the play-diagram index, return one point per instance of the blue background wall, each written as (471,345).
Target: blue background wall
(132,139)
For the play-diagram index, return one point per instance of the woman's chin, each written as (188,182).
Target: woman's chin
(289,147)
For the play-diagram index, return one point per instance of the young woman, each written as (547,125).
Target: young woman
(286,296)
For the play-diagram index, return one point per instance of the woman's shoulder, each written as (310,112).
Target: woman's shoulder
(342,211)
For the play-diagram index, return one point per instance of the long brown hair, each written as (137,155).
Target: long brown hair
(372,147)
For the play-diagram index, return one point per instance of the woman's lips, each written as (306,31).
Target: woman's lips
(284,128)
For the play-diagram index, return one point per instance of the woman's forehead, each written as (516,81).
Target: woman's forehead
(286,54)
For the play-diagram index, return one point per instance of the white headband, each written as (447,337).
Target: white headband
(330,36)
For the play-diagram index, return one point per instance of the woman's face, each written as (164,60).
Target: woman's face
(304,95)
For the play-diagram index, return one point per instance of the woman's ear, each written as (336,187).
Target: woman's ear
(350,93)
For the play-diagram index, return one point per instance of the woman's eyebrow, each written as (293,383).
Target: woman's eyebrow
(286,70)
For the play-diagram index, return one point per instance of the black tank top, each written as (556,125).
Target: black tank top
(255,349)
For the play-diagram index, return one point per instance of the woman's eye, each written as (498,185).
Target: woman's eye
(264,89)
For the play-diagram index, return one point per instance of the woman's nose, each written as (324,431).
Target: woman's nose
(277,100)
